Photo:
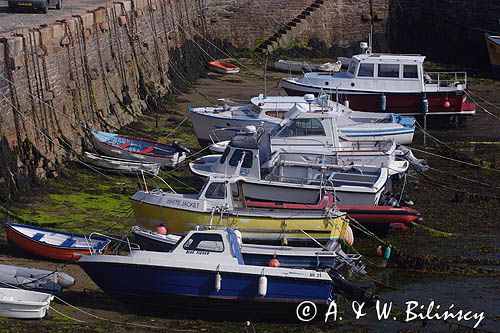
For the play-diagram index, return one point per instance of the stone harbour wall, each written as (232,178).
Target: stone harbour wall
(103,68)
(96,70)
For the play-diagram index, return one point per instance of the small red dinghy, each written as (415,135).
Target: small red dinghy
(373,215)
(223,67)
(53,244)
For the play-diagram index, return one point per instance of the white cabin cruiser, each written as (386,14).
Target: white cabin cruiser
(309,134)
(266,176)
(220,123)
(389,83)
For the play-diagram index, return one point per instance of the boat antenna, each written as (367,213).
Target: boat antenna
(265,77)
(369,51)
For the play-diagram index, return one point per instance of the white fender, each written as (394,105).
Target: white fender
(262,285)
(218,282)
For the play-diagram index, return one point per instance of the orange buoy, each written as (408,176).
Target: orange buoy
(446,104)
(379,250)
(161,229)
(274,263)
(349,236)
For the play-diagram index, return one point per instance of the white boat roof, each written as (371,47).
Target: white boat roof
(285,102)
(386,57)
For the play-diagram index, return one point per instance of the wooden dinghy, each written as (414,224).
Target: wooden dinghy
(223,67)
(34,279)
(139,149)
(23,304)
(52,244)
(121,165)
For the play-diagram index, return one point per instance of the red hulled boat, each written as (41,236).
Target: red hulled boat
(368,215)
(390,83)
(223,67)
(52,244)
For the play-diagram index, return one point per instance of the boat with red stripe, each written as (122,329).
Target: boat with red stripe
(373,216)
(139,149)
(57,245)
(223,67)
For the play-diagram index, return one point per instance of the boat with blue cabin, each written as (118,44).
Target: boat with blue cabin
(220,123)
(206,270)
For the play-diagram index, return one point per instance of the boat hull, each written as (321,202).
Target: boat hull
(209,128)
(493,46)
(223,67)
(23,304)
(120,165)
(262,191)
(45,250)
(170,158)
(257,227)
(401,103)
(179,289)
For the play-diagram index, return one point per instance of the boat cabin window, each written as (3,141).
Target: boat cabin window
(302,127)
(410,72)
(204,242)
(352,67)
(224,155)
(238,154)
(276,114)
(366,70)
(388,70)
(216,191)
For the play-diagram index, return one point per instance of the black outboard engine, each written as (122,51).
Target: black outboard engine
(180,148)
(350,291)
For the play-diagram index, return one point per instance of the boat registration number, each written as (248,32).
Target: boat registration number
(28,4)
(204,253)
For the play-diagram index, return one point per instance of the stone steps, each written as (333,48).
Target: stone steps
(283,30)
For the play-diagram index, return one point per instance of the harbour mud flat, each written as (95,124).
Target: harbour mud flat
(451,257)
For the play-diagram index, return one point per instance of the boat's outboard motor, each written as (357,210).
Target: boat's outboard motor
(418,163)
(351,291)
(180,148)
(389,199)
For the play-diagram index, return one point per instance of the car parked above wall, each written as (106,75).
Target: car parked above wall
(36,5)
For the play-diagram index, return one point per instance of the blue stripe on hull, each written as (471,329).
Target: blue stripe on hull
(137,281)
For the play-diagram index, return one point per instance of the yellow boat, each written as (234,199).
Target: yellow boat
(183,212)
(493,45)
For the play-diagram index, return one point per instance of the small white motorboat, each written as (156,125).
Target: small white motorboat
(120,165)
(302,66)
(23,304)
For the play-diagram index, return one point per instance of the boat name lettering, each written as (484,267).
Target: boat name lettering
(182,203)
(205,253)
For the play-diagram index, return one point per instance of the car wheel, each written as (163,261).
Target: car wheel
(59,4)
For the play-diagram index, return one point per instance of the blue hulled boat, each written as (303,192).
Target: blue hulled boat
(206,267)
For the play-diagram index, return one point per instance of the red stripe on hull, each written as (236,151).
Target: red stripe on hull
(362,214)
(39,249)
(410,103)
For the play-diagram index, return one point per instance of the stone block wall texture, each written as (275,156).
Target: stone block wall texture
(444,30)
(102,69)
